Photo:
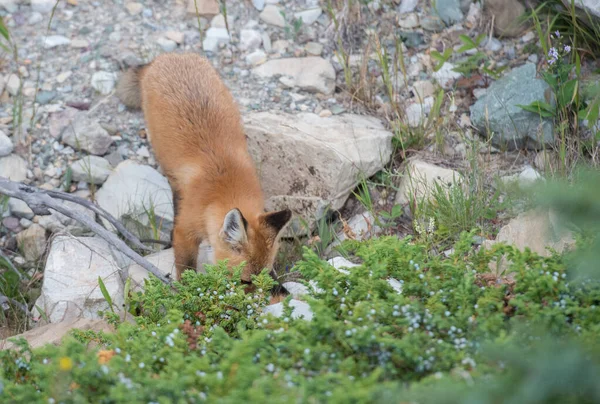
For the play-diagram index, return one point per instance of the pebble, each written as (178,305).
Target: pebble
(143,152)
(42,6)
(79,43)
(92,169)
(19,208)
(44,97)
(250,39)
(35,18)
(13,84)
(6,146)
(528,37)
(54,41)
(103,82)
(258,4)
(62,77)
(213,38)
(134,8)
(256,58)
(309,16)
(409,21)
(11,223)
(272,16)
(175,36)
(314,48)
(166,44)
(218,21)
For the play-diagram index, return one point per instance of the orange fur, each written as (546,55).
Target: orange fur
(196,132)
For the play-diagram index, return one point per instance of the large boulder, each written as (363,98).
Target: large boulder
(140,197)
(312,73)
(309,163)
(54,333)
(497,112)
(70,288)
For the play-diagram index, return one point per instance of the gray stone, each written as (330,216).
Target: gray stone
(84,134)
(449,11)
(166,44)
(588,7)
(104,82)
(91,169)
(42,6)
(272,16)
(6,146)
(136,194)
(256,58)
(297,290)
(513,127)
(13,167)
(134,8)
(446,76)
(44,97)
(32,242)
(19,208)
(218,21)
(407,6)
(290,151)
(313,73)
(70,288)
(314,48)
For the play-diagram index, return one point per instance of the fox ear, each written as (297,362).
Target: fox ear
(233,231)
(277,220)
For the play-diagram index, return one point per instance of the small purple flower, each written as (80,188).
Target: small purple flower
(557,33)
(567,48)
(553,53)
(551,61)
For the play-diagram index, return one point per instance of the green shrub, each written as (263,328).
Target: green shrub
(207,340)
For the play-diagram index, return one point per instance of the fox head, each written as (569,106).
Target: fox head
(253,240)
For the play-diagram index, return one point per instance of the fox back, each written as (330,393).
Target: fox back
(196,132)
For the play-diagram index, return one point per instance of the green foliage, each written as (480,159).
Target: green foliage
(369,341)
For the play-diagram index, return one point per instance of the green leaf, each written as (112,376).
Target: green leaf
(106,294)
(468,44)
(539,107)
(567,93)
(591,112)
(441,58)
(550,79)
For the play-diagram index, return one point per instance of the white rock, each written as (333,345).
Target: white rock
(70,288)
(19,208)
(395,284)
(166,44)
(203,8)
(313,73)
(362,225)
(309,16)
(42,6)
(297,290)
(423,89)
(419,179)
(350,144)
(176,36)
(32,242)
(164,260)
(446,76)
(258,4)
(13,167)
(133,190)
(54,41)
(6,146)
(314,48)
(84,134)
(91,169)
(526,178)
(266,42)
(250,39)
(300,309)
(103,82)
(272,16)
(13,84)
(143,152)
(213,38)
(409,21)
(10,6)
(256,58)
(341,264)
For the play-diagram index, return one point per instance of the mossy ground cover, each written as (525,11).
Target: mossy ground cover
(453,333)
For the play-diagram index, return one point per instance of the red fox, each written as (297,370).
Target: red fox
(195,129)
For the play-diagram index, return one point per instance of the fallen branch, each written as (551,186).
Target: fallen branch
(40,201)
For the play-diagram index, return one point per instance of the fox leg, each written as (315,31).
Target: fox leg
(185,245)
